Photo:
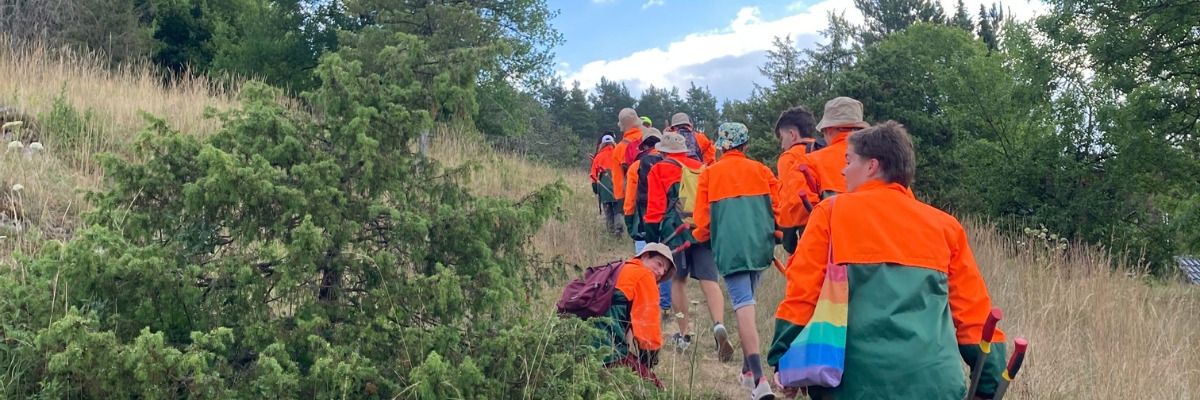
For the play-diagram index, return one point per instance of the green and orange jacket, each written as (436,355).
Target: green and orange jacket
(602,175)
(792,214)
(662,187)
(618,156)
(634,307)
(736,212)
(917,301)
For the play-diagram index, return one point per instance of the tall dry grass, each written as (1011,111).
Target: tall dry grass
(1095,333)
(32,79)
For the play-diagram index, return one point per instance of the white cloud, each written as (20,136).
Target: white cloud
(747,33)
(652,3)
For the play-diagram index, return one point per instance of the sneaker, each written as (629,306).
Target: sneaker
(746,380)
(724,347)
(682,341)
(763,390)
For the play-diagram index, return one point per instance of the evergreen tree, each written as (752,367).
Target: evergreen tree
(885,17)
(962,18)
(608,98)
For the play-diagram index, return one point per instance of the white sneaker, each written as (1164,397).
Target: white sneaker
(724,347)
(763,390)
(682,341)
(746,380)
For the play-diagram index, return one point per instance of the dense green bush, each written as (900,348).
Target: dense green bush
(302,254)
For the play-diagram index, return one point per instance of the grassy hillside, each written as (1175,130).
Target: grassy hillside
(1095,333)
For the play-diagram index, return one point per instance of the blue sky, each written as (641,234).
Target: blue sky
(714,43)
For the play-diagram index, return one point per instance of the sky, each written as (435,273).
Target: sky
(713,43)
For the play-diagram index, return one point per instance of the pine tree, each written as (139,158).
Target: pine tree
(962,18)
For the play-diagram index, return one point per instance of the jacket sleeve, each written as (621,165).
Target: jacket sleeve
(618,171)
(969,307)
(701,210)
(706,147)
(631,182)
(656,194)
(773,184)
(646,329)
(791,209)
(805,274)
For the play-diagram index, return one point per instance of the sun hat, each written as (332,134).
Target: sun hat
(664,251)
(651,132)
(672,143)
(842,112)
(680,119)
(730,135)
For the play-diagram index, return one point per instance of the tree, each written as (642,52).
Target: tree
(962,18)
(659,104)
(277,42)
(989,25)
(885,17)
(608,98)
(578,114)
(701,105)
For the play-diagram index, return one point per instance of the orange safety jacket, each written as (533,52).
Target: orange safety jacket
(791,209)
(618,156)
(736,211)
(603,161)
(915,293)
(634,308)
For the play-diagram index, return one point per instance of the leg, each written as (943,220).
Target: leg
(680,301)
(741,288)
(704,269)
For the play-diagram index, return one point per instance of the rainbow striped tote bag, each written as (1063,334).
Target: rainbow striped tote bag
(817,356)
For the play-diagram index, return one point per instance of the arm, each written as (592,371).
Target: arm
(618,169)
(644,314)
(700,213)
(805,275)
(656,201)
(791,209)
(773,184)
(706,147)
(631,182)
(969,307)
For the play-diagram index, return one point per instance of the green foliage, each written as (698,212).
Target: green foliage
(608,98)
(885,17)
(659,104)
(305,253)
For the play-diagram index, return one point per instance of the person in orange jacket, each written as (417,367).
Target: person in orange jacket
(735,213)
(699,147)
(602,184)
(663,216)
(635,202)
(633,309)
(627,120)
(917,299)
(796,130)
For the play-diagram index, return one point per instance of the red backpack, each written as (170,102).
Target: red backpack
(592,295)
(631,151)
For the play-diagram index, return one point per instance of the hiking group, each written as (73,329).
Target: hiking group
(883,299)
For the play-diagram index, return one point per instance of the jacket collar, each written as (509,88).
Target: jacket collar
(879,184)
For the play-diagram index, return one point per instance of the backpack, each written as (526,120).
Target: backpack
(689,184)
(592,295)
(631,151)
(693,146)
(814,145)
(648,161)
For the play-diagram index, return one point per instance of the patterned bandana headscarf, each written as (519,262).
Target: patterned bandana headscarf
(730,135)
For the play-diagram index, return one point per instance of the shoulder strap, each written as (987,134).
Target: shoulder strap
(831,204)
(673,161)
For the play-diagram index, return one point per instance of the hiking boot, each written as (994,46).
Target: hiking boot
(724,347)
(746,380)
(763,390)
(682,341)
(667,315)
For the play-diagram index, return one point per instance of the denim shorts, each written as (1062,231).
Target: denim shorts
(742,286)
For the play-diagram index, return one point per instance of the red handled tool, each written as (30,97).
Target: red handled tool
(985,345)
(804,198)
(678,230)
(1014,365)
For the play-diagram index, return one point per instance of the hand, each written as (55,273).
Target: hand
(788,392)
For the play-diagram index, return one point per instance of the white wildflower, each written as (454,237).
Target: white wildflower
(678,315)
(13,145)
(36,146)
(13,125)
(1054,237)
(1042,235)
(18,187)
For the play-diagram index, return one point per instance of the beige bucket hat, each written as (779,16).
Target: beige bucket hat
(672,143)
(842,112)
(651,132)
(680,119)
(664,251)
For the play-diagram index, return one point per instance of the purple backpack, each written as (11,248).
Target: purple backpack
(591,296)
